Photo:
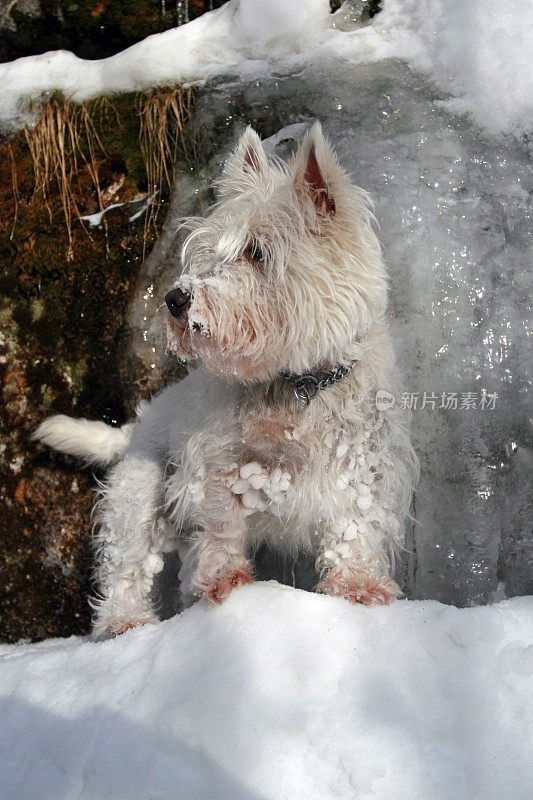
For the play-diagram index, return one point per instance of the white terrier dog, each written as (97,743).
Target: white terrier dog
(283,297)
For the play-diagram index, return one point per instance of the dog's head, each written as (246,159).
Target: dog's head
(284,273)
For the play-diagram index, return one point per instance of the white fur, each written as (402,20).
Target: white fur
(93,442)
(285,274)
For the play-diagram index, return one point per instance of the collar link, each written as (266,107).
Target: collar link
(307,387)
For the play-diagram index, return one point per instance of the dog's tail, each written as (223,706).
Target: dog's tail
(94,442)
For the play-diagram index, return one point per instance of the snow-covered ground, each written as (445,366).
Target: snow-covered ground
(278,694)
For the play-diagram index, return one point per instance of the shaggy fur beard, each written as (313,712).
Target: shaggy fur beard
(284,275)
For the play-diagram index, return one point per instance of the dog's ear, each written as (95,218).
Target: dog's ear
(317,173)
(245,167)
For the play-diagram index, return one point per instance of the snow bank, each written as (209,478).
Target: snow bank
(478,51)
(239,32)
(278,694)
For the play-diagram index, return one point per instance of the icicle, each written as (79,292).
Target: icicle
(182,11)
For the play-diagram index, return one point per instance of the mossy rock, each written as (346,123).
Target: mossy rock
(64,348)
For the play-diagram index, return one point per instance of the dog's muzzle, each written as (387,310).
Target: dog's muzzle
(178,303)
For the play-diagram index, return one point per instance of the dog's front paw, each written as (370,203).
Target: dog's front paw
(220,589)
(367,590)
(109,627)
(124,627)
(100,633)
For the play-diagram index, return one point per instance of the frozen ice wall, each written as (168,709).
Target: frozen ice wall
(452,208)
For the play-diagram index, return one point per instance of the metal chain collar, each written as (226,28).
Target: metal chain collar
(307,387)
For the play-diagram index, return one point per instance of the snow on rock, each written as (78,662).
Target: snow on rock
(479,51)
(278,693)
(248,31)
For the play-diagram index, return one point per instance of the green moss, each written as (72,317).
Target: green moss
(47,396)
(36,308)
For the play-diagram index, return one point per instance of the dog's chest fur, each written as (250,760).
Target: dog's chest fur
(315,446)
(268,434)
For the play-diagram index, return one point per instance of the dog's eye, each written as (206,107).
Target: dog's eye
(253,252)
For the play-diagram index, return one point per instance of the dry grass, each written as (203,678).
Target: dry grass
(67,141)
(15,185)
(163,113)
(63,142)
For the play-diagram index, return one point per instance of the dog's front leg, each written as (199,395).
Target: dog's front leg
(354,563)
(215,560)
(200,497)
(129,539)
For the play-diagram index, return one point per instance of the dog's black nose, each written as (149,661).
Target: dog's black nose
(177,302)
